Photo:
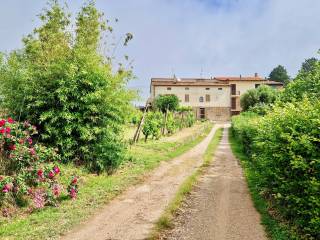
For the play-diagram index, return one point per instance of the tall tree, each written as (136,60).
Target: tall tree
(306,84)
(279,74)
(68,88)
(167,103)
(309,64)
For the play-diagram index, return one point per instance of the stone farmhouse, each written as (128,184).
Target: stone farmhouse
(216,98)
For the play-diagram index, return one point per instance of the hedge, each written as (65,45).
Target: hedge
(284,147)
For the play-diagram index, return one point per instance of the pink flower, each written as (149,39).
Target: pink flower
(6,188)
(74,181)
(2,122)
(51,174)
(2,130)
(39,199)
(10,120)
(40,173)
(26,124)
(29,191)
(32,151)
(30,141)
(21,141)
(12,147)
(56,170)
(73,193)
(56,190)
(8,130)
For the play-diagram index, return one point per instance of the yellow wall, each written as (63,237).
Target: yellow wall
(244,86)
(218,98)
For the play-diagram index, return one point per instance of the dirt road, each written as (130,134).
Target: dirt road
(220,207)
(131,215)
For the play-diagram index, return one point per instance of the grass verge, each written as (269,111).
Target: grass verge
(95,191)
(275,229)
(166,219)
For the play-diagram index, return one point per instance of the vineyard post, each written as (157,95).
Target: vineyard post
(165,120)
(137,133)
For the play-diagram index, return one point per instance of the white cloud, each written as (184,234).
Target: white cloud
(240,37)
(221,37)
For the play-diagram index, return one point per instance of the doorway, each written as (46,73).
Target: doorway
(233,89)
(202,113)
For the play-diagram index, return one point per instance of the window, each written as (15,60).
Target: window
(200,99)
(186,98)
(207,98)
(186,88)
(168,88)
(202,113)
(220,88)
(207,88)
(233,89)
(233,103)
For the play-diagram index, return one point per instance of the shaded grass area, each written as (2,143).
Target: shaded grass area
(166,219)
(275,229)
(95,191)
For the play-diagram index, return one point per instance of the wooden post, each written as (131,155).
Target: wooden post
(165,121)
(137,133)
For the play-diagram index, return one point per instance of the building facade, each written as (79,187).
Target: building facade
(215,98)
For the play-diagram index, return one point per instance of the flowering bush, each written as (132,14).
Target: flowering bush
(73,188)
(31,170)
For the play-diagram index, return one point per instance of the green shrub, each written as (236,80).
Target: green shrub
(307,83)
(61,82)
(262,95)
(185,117)
(172,123)
(135,117)
(152,125)
(244,127)
(166,102)
(190,119)
(260,109)
(31,171)
(288,156)
(284,147)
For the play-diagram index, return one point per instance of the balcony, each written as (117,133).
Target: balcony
(235,93)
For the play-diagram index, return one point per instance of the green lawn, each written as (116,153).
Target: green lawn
(95,190)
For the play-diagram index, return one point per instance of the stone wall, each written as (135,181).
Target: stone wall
(215,113)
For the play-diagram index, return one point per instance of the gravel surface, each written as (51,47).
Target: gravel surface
(132,214)
(220,207)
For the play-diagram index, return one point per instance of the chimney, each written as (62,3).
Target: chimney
(256,75)
(240,76)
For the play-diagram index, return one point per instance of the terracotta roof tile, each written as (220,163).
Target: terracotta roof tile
(226,78)
(216,81)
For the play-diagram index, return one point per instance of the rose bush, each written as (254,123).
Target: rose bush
(31,171)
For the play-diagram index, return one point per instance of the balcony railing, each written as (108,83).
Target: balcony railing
(235,93)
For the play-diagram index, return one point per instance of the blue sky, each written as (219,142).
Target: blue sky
(193,38)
